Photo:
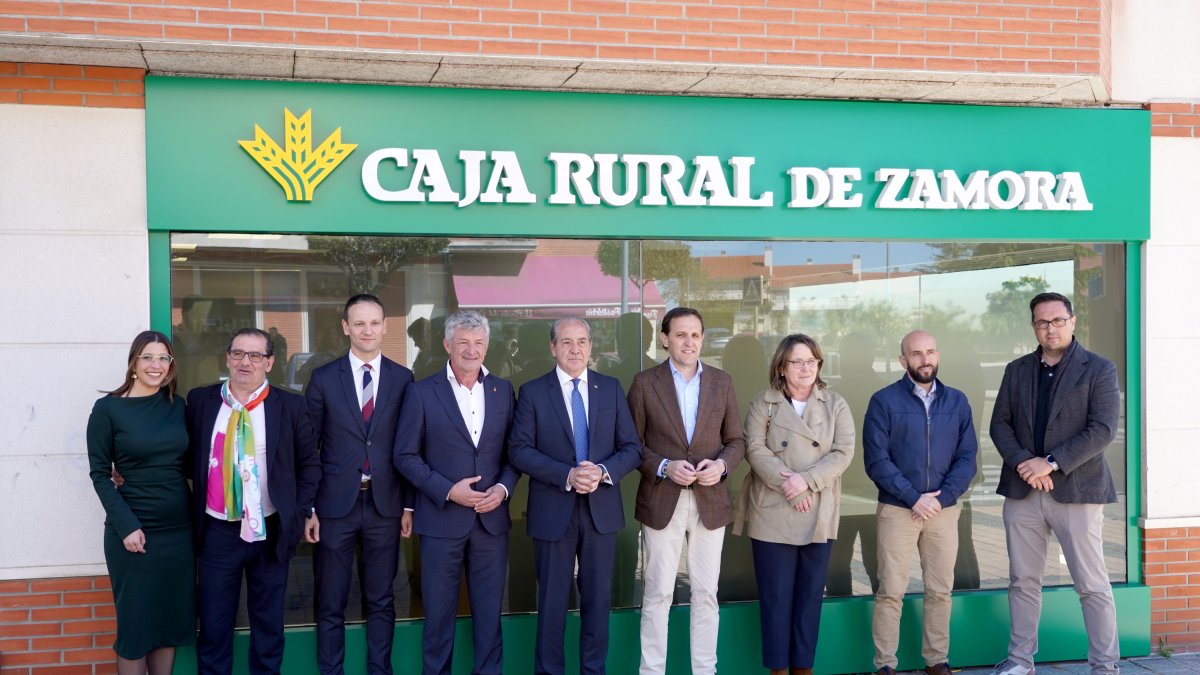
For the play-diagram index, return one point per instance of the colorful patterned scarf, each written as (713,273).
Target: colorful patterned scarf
(243,494)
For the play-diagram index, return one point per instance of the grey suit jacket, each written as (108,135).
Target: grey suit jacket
(1085,408)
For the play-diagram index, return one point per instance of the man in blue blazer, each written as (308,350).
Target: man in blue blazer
(354,403)
(255,468)
(454,451)
(574,435)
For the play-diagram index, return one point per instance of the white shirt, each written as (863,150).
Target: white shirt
(356,367)
(258,422)
(567,387)
(470,401)
(470,405)
(799,406)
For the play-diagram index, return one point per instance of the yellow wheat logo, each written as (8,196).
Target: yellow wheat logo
(297,167)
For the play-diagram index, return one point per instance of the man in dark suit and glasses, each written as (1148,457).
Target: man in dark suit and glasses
(255,467)
(1056,412)
(354,403)
(574,436)
(454,451)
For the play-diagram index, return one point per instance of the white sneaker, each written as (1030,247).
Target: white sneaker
(1010,667)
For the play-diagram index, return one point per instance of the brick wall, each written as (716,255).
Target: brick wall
(1171,565)
(1031,36)
(57,627)
(94,86)
(1179,118)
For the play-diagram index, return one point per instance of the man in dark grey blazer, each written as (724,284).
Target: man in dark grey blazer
(1056,412)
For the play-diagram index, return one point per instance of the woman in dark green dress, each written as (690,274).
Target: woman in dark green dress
(139,430)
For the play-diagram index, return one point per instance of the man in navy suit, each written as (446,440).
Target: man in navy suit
(573,434)
(256,470)
(454,452)
(354,403)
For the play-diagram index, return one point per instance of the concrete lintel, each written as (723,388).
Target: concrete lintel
(549,74)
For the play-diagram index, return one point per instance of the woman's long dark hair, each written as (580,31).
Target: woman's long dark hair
(779,361)
(135,350)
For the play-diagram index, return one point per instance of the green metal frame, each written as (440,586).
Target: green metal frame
(980,618)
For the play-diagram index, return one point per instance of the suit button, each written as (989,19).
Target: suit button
(369,442)
(785,444)
(815,444)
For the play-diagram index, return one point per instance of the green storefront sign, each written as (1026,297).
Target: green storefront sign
(390,160)
(306,158)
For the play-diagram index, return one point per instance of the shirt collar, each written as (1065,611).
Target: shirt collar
(357,363)
(675,371)
(922,393)
(483,372)
(564,379)
(1066,354)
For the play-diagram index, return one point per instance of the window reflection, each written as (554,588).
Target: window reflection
(856,298)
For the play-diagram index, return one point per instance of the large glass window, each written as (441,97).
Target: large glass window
(856,298)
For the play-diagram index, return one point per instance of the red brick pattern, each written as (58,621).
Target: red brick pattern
(57,627)
(1171,565)
(1180,119)
(1014,36)
(92,86)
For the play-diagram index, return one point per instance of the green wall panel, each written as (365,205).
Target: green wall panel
(200,179)
(979,636)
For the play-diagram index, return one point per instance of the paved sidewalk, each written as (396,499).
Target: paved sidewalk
(1178,664)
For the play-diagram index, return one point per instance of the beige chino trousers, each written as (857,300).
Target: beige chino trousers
(936,540)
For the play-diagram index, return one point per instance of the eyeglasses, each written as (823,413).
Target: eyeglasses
(805,363)
(238,355)
(163,359)
(1057,322)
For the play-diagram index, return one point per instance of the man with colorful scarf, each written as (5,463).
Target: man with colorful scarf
(255,472)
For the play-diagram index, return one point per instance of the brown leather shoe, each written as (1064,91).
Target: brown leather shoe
(779,671)
(939,669)
(802,671)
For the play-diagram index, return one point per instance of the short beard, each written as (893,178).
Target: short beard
(921,379)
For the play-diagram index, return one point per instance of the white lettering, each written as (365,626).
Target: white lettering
(605,163)
(1016,190)
(370,174)
(893,182)
(1039,191)
(804,177)
(840,184)
(741,185)
(573,168)
(507,174)
(710,178)
(1070,193)
(472,159)
(924,193)
(969,196)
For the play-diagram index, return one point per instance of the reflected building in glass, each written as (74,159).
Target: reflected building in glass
(856,298)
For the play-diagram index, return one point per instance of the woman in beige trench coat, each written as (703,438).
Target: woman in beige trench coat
(801,438)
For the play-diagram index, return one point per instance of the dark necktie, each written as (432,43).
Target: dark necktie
(368,393)
(579,422)
(368,407)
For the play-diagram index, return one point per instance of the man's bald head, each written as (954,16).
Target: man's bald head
(919,356)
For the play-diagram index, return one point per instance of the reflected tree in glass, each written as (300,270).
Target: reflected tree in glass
(369,261)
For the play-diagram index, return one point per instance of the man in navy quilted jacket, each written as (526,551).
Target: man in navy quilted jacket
(919,446)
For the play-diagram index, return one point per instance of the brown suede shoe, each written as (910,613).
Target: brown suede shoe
(939,669)
(802,671)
